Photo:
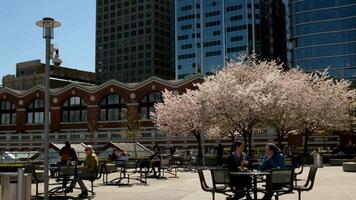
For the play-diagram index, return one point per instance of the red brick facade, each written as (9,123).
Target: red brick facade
(92,95)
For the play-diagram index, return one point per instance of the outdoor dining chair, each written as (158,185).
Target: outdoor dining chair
(309,183)
(37,175)
(279,182)
(66,173)
(203,184)
(221,181)
(100,170)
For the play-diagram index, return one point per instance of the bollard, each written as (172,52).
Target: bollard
(20,175)
(317,158)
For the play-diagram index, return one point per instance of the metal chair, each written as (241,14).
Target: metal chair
(221,181)
(144,170)
(129,168)
(279,182)
(203,184)
(36,175)
(99,173)
(309,183)
(65,174)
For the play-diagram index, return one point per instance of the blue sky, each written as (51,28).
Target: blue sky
(21,40)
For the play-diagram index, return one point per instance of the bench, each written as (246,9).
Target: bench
(349,167)
(338,162)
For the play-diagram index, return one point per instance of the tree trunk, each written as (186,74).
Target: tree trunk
(245,139)
(250,145)
(280,139)
(232,137)
(200,153)
(306,138)
(135,149)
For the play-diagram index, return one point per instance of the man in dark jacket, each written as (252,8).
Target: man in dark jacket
(236,162)
(67,154)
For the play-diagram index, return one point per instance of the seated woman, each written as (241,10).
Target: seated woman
(89,170)
(237,162)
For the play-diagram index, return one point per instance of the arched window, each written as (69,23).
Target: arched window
(35,112)
(147,104)
(113,108)
(74,110)
(7,113)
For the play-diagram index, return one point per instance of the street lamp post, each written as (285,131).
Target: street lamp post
(48,24)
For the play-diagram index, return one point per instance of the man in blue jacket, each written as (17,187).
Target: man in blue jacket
(273,159)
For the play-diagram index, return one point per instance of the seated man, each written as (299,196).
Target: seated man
(237,162)
(273,159)
(89,170)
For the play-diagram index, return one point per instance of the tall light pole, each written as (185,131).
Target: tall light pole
(253,26)
(48,24)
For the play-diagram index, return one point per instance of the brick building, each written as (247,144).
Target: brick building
(97,115)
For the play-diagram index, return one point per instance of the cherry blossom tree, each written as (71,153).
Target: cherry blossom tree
(326,104)
(283,102)
(254,94)
(238,95)
(182,114)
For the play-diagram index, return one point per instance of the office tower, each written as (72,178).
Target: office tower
(323,34)
(209,32)
(134,39)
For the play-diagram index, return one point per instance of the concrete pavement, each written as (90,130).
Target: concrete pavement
(330,183)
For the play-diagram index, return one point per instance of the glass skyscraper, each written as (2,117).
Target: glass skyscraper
(209,32)
(323,34)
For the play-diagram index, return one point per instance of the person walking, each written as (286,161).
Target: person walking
(220,153)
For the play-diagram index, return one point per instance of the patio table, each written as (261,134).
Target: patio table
(254,175)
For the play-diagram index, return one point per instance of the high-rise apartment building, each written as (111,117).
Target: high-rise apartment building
(209,32)
(323,34)
(134,39)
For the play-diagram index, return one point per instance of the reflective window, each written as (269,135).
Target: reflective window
(326,26)
(322,63)
(35,112)
(326,50)
(147,104)
(113,108)
(300,6)
(337,37)
(325,14)
(74,110)
(7,113)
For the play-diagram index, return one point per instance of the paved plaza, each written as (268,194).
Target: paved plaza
(331,183)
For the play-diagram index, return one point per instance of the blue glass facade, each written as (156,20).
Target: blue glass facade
(323,34)
(215,31)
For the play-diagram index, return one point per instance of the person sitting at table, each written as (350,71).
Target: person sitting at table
(89,170)
(156,162)
(273,158)
(67,154)
(295,157)
(114,154)
(123,155)
(238,161)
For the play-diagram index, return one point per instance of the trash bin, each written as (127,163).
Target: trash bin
(9,187)
(318,160)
